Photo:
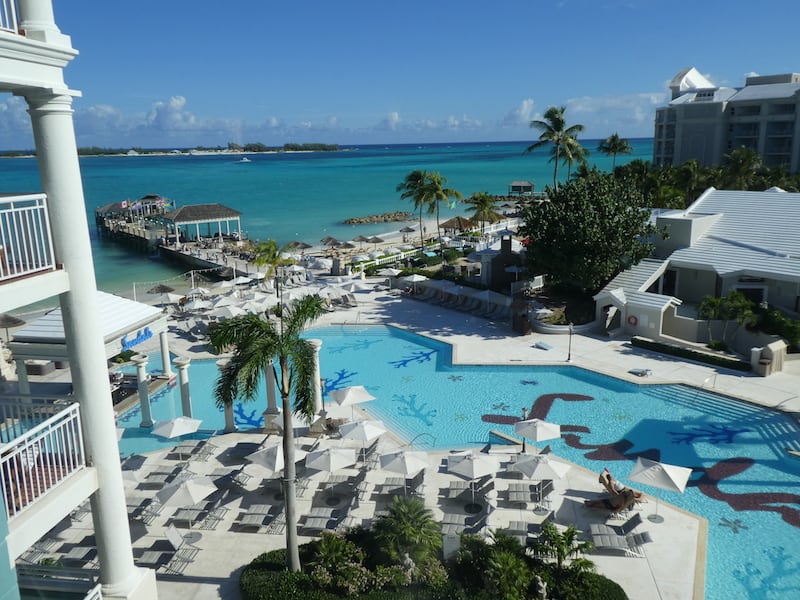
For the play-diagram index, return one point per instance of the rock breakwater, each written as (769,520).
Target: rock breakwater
(389,217)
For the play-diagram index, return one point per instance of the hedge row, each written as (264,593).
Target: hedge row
(696,355)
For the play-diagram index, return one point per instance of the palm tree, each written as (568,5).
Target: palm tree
(409,528)
(710,309)
(255,343)
(613,145)
(483,207)
(268,254)
(740,168)
(434,193)
(564,546)
(508,575)
(554,131)
(412,188)
(572,151)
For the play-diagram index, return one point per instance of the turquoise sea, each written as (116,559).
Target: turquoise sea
(292,196)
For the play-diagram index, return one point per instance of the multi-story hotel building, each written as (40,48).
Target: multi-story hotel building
(56,452)
(705,122)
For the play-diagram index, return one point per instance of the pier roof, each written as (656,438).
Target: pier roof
(202,213)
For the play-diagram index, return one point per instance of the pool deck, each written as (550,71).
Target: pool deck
(672,566)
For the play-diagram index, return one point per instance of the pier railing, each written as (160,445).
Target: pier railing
(8,15)
(26,244)
(41,444)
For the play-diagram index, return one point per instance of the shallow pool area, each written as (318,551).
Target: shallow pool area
(743,481)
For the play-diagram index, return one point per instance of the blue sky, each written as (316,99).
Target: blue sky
(178,73)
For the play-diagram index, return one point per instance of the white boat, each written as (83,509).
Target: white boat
(244,159)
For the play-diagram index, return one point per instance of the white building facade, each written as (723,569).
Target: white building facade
(705,122)
(56,452)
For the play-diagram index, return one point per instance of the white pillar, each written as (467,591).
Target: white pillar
(165,362)
(54,136)
(272,402)
(140,360)
(182,362)
(23,385)
(230,423)
(37,19)
(318,407)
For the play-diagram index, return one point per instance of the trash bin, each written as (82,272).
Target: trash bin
(764,367)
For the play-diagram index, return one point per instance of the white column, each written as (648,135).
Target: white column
(272,401)
(140,360)
(230,423)
(51,117)
(165,362)
(182,362)
(318,407)
(23,385)
(36,18)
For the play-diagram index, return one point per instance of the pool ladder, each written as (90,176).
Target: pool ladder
(419,435)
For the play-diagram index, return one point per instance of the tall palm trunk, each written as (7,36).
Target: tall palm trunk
(555,167)
(290,474)
(438,232)
(421,234)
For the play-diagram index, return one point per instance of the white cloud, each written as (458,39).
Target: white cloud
(520,115)
(629,114)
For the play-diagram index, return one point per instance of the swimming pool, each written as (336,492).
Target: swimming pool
(744,483)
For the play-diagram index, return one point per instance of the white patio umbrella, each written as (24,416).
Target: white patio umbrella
(357,258)
(242,280)
(406,462)
(198,304)
(227,312)
(389,272)
(352,395)
(540,466)
(472,466)
(331,459)
(537,430)
(187,492)
(254,306)
(198,291)
(661,475)
(271,457)
(176,427)
(221,301)
(362,431)
(295,269)
(225,284)
(414,279)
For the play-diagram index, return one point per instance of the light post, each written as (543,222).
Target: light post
(569,346)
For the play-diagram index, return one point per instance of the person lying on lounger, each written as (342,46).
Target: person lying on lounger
(614,486)
(616,503)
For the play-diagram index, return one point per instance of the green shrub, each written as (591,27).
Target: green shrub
(704,357)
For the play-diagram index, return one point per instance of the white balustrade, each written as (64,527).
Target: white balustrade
(26,244)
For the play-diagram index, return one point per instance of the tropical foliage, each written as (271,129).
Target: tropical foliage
(255,343)
(563,139)
(591,229)
(427,191)
(614,145)
(483,207)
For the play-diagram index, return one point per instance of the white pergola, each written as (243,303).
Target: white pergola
(125,324)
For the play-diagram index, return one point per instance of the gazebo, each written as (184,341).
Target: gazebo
(206,214)
(520,188)
(458,224)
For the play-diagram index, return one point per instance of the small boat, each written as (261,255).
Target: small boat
(244,159)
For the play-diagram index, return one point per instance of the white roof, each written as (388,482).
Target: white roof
(649,300)
(117,316)
(636,279)
(755,234)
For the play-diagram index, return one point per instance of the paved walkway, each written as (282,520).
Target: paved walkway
(673,565)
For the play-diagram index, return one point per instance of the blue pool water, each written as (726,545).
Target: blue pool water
(744,483)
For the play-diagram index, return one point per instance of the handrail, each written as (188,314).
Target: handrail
(43,445)
(26,244)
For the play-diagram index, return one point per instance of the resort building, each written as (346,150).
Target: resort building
(705,122)
(725,241)
(59,452)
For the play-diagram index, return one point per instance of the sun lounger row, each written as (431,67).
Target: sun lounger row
(469,304)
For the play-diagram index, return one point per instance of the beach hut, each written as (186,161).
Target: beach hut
(208,215)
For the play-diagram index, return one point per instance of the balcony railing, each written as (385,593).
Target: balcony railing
(26,245)
(41,444)
(8,15)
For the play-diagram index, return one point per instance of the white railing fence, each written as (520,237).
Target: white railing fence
(26,245)
(42,444)
(8,16)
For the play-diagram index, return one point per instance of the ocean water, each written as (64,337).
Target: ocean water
(294,196)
